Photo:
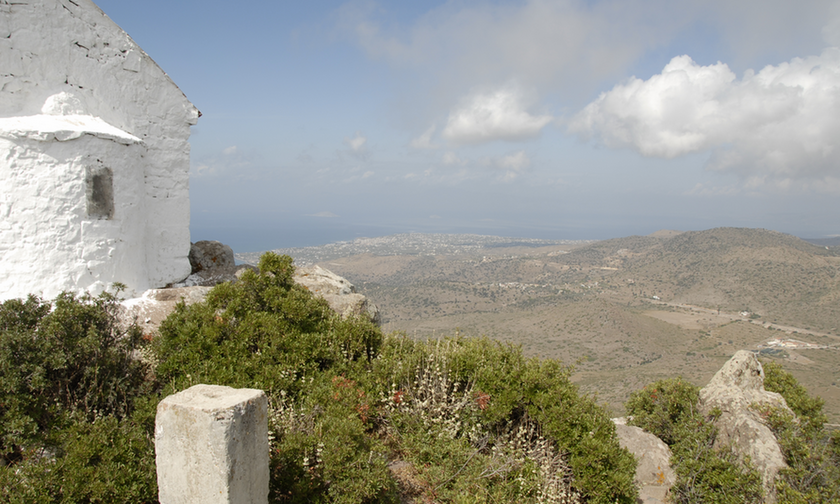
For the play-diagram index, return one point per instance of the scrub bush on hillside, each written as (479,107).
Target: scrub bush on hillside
(669,410)
(69,431)
(330,382)
(811,452)
(511,428)
(354,416)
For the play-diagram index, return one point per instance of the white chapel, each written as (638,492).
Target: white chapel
(94,156)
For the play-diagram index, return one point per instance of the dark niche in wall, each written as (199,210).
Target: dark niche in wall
(99,189)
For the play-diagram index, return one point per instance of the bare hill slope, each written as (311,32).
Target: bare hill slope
(627,310)
(774,275)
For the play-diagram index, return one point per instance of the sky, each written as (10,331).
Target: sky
(329,120)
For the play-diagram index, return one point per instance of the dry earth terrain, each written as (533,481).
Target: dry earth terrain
(626,311)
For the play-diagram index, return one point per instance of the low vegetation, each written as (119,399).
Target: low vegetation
(355,416)
(811,452)
(74,404)
(668,409)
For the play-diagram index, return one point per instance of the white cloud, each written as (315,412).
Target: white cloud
(424,141)
(703,190)
(517,162)
(563,49)
(200,169)
(547,42)
(452,159)
(357,147)
(780,123)
(512,165)
(231,161)
(357,143)
(368,174)
(496,115)
(324,214)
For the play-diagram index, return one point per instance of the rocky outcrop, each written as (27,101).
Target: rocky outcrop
(212,263)
(215,276)
(654,475)
(339,293)
(736,391)
(208,255)
(149,310)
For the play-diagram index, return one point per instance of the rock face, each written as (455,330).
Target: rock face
(208,255)
(212,263)
(339,293)
(654,476)
(211,446)
(94,176)
(149,310)
(735,390)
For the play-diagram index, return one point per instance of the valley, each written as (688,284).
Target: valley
(624,312)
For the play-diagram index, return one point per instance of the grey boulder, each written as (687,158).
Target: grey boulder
(737,392)
(654,475)
(208,255)
(337,291)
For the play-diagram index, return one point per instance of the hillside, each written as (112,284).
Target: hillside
(777,276)
(592,303)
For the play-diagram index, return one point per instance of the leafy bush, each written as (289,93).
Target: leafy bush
(812,454)
(661,408)
(267,332)
(109,460)
(355,417)
(709,475)
(484,421)
(668,409)
(263,332)
(69,431)
(62,360)
(806,408)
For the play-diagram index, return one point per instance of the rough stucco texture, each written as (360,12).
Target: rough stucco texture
(211,445)
(47,243)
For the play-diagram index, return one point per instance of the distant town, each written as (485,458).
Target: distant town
(418,244)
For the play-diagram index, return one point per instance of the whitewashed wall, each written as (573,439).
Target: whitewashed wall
(71,50)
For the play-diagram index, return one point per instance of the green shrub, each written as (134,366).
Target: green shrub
(108,460)
(812,454)
(69,382)
(62,360)
(806,408)
(662,407)
(669,410)
(709,475)
(510,428)
(263,332)
(267,332)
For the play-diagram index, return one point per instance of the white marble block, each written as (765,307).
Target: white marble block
(211,445)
